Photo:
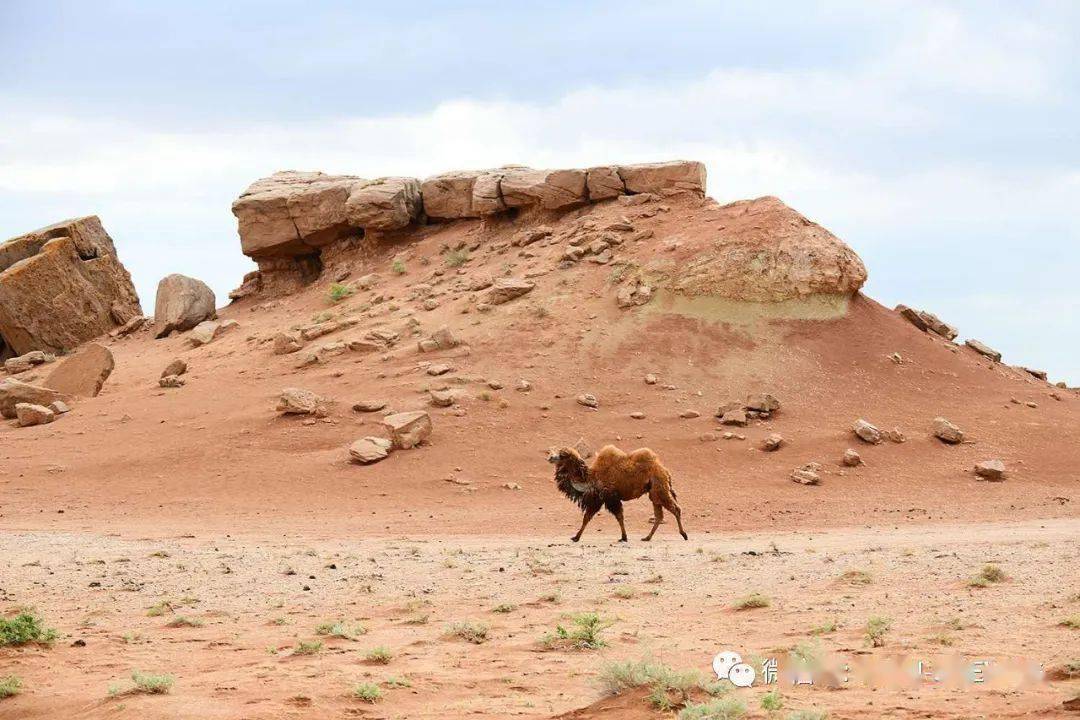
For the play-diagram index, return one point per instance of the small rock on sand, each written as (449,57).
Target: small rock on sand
(807,474)
(947,432)
(993,470)
(408,429)
(772,443)
(369,450)
(866,432)
(29,414)
(851,458)
(297,401)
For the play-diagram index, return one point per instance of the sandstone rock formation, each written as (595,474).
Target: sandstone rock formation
(286,220)
(82,374)
(763,251)
(408,429)
(28,361)
(181,304)
(369,449)
(60,286)
(28,414)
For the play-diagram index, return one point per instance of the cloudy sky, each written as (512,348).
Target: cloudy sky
(940,140)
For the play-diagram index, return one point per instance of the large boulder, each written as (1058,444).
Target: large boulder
(293,213)
(547,189)
(82,374)
(760,251)
(13,392)
(30,360)
(384,204)
(60,286)
(449,196)
(182,303)
(664,178)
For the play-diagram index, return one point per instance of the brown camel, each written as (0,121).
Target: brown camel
(616,477)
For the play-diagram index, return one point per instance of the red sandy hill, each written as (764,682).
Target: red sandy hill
(549,296)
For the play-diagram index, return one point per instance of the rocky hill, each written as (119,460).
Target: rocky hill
(496,314)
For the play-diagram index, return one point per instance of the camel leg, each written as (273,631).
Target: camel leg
(585,521)
(673,507)
(622,526)
(658,517)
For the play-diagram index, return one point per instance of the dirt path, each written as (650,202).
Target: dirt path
(254,600)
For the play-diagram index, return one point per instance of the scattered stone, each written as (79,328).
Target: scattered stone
(807,474)
(851,458)
(506,289)
(511,486)
(947,432)
(637,415)
(287,342)
(134,324)
(365,346)
(762,403)
(689,414)
(29,414)
(171,381)
(84,373)
(725,408)
(176,367)
(583,449)
(442,398)
(494,384)
(14,391)
(588,400)
(523,385)
(635,294)
(733,436)
(297,401)
(1038,374)
(182,303)
(772,442)
(993,470)
(430,304)
(651,379)
(708,437)
(438,369)
(895,435)
(408,429)
(369,450)
(735,416)
(368,406)
(209,330)
(912,316)
(25,362)
(983,349)
(1031,404)
(935,325)
(896,358)
(59,407)
(444,338)
(866,432)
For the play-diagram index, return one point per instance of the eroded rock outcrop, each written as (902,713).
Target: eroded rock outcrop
(288,220)
(60,286)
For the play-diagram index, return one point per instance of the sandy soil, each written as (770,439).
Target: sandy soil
(256,599)
(204,497)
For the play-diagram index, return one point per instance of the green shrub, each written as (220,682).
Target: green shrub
(151,684)
(456,258)
(9,686)
(339,292)
(583,633)
(380,655)
(25,628)
(308,647)
(398,266)
(368,692)
(876,629)
(771,701)
(476,633)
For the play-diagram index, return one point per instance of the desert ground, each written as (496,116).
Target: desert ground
(196,532)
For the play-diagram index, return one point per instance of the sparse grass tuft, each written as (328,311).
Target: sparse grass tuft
(456,258)
(398,681)
(670,688)
(771,701)
(503,608)
(624,592)
(752,601)
(583,634)
(380,655)
(182,621)
(942,639)
(398,266)
(989,574)
(1072,622)
(825,628)
(339,630)
(308,647)
(339,292)
(876,629)
(857,577)
(9,686)
(159,608)
(151,684)
(476,633)
(368,692)
(808,715)
(728,708)
(23,629)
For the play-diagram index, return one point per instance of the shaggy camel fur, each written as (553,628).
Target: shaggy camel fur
(614,478)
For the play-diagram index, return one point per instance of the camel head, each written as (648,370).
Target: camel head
(571,473)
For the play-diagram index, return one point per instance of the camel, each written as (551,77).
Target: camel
(614,478)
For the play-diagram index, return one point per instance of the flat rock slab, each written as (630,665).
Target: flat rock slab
(13,392)
(369,449)
(84,373)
